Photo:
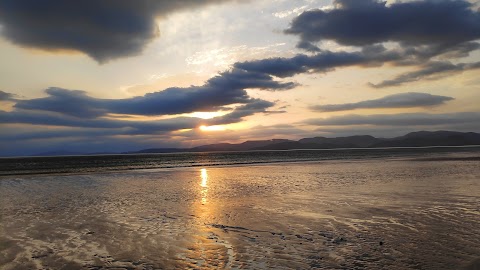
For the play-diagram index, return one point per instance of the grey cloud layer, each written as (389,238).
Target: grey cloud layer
(130,127)
(423,31)
(4,96)
(403,100)
(225,89)
(369,56)
(402,119)
(323,61)
(116,28)
(428,71)
(358,23)
(74,108)
(103,30)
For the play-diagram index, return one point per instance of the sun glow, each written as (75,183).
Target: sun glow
(212,128)
(206,115)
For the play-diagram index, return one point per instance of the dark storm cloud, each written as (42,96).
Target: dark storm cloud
(324,61)
(225,89)
(104,30)
(360,23)
(403,100)
(432,70)
(402,119)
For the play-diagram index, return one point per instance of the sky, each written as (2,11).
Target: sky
(124,75)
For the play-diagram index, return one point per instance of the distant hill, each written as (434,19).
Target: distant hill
(437,138)
(358,141)
(245,146)
(414,139)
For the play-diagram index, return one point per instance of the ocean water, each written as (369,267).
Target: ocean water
(391,209)
(106,163)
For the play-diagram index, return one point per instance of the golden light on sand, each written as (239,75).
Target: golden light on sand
(212,128)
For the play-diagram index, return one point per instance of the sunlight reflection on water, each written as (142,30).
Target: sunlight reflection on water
(204,185)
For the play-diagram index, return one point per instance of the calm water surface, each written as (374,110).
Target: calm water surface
(106,163)
(419,211)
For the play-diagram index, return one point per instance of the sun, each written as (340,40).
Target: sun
(206,115)
(212,128)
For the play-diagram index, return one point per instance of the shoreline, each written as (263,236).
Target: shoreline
(240,164)
(89,171)
(250,151)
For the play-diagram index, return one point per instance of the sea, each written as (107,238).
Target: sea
(390,208)
(106,163)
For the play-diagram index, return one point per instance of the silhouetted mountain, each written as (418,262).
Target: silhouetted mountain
(414,139)
(435,138)
(245,146)
(299,145)
(357,141)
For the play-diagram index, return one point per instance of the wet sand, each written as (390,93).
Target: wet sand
(396,214)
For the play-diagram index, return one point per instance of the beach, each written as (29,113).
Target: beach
(333,214)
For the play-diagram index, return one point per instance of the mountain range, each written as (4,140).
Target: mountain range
(414,139)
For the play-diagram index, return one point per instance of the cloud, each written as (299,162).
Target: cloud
(85,143)
(223,58)
(420,34)
(31,141)
(402,119)
(4,96)
(55,134)
(286,13)
(131,127)
(430,71)
(402,100)
(227,88)
(72,115)
(253,107)
(57,131)
(74,108)
(441,24)
(55,119)
(103,30)
(323,61)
